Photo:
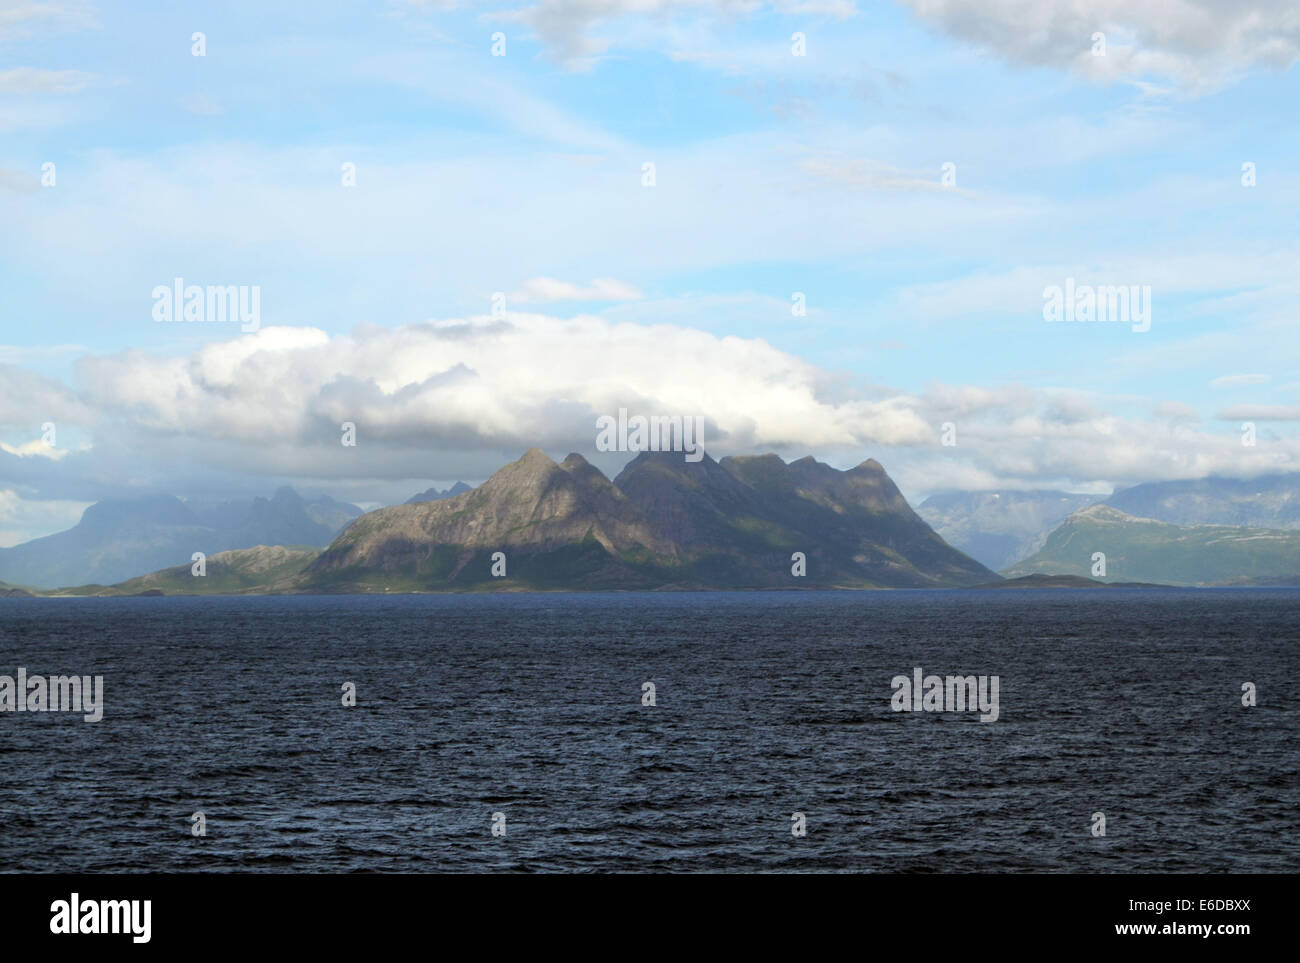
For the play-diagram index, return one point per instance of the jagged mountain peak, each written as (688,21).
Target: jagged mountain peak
(528,508)
(675,461)
(434,494)
(768,459)
(766,466)
(535,457)
(584,470)
(1103,512)
(869,466)
(287,495)
(525,478)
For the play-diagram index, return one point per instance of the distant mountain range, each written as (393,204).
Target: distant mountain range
(121,538)
(434,495)
(1146,550)
(1272,501)
(665,523)
(1040,581)
(999,528)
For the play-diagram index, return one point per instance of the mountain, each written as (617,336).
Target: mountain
(999,528)
(1039,581)
(433,494)
(115,539)
(665,523)
(1146,550)
(283,519)
(1271,501)
(662,523)
(560,525)
(261,569)
(1002,528)
(118,539)
(334,515)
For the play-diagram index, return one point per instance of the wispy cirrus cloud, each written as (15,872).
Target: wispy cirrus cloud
(1239,380)
(20,19)
(571,29)
(37,80)
(34,449)
(1261,413)
(17,181)
(865,174)
(548,290)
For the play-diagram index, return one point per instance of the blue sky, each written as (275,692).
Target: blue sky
(522,175)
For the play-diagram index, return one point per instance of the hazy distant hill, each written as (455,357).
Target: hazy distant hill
(261,569)
(1145,550)
(333,514)
(118,539)
(1040,581)
(1272,501)
(664,522)
(285,518)
(998,528)
(434,495)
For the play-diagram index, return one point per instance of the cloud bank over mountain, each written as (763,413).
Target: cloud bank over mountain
(275,403)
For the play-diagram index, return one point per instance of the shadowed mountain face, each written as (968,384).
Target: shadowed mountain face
(1145,550)
(663,523)
(999,528)
(122,538)
(856,523)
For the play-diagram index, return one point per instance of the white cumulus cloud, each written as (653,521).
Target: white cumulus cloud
(1196,43)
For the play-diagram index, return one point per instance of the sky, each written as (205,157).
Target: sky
(827,227)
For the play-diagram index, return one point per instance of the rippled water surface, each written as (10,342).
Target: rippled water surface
(1118,701)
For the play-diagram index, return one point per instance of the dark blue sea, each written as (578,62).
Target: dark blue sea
(1125,702)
